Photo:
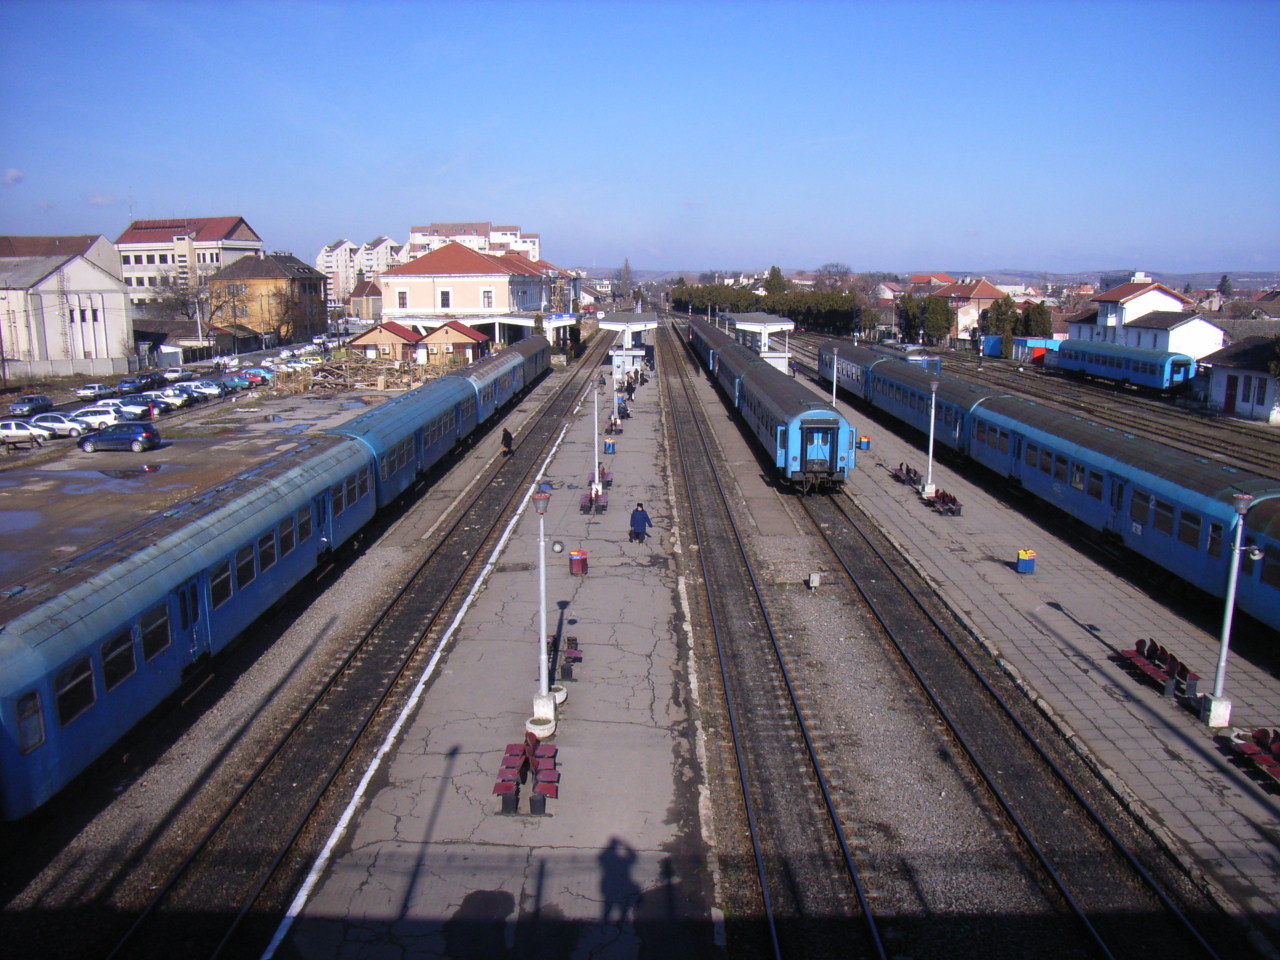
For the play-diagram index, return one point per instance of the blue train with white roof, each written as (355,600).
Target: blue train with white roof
(89,648)
(809,443)
(1161,371)
(1176,511)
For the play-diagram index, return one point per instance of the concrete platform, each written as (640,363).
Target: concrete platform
(429,866)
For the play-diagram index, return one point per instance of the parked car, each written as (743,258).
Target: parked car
(122,436)
(19,431)
(189,391)
(236,381)
(95,391)
(178,374)
(129,385)
(157,399)
(129,408)
(30,405)
(151,380)
(97,417)
(209,388)
(177,396)
(61,424)
(259,374)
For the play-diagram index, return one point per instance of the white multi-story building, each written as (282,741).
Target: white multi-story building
(337,262)
(181,250)
(481,236)
(345,264)
(63,308)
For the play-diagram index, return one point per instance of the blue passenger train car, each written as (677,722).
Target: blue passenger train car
(89,648)
(810,444)
(1157,370)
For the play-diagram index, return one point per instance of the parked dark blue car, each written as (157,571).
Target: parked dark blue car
(122,436)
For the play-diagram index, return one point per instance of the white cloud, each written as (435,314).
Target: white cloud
(12,176)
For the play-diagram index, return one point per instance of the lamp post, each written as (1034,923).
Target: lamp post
(1217,708)
(835,356)
(540,501)
(927,489)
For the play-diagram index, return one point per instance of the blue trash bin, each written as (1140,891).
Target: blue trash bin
(1026,561)
(610,446)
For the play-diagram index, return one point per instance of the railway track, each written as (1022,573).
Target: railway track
(1119,907)
(808,887)
(222,892)
(804,781)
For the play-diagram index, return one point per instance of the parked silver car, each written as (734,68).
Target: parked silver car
(95,391)
(98,417)
(19,431)
(61,424)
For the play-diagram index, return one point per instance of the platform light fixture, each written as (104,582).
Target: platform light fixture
(1217,708)
(540,502)
(928,489)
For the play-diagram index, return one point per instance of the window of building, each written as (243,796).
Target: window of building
(164,258)
(446,296)
(402,299)
(151,258)
(73,690)
(486,299)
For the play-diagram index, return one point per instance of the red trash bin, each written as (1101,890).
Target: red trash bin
(578,563)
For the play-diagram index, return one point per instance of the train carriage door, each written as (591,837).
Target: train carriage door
(1233,391)
(817,445)
(191,626)
(324,523)
(1119,520)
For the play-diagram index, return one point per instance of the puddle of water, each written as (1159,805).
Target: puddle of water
(14,521)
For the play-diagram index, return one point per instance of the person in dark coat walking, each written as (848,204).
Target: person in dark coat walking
(640,524)
(506,442)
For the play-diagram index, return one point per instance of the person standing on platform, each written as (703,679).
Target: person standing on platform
(506,442)
(640,524)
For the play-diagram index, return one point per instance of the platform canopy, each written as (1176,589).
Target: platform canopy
(753,329)
(630,325)
(493,325)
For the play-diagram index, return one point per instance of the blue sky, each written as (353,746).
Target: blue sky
(902,136)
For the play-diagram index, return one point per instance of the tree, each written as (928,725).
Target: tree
(1186,289)
(1000,319)
(832,276)
(775,283)
(623,276)
(1224,286)
(937,318)
(909,311)
(1039,321)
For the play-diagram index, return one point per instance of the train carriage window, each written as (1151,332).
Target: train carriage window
(1004,441)
(1140,507)
(285,530)
(339,503)
(1215,539)
(1164,517)
(351,490)
(1077,476)
(980,431)
(1046,462)
(73,690)
(118,661)
(1189,529)
(220,583)
(245,571)
(30,722)
(155,632)
(1271,567)
(1095,485)
(304,524)
(1246,561)
(1032,455)
(1060,469)
(267,551)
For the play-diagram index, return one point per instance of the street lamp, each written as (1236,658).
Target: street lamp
(835,356)
(927,489)
(1217,708)
(540,501)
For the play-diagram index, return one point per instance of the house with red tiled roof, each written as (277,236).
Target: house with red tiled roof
(1146,314)
(366,301)
(181,251)
(390,341)
(968,300)
(456,281)
(931,279)
(455,343)
(94,247)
